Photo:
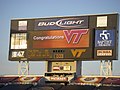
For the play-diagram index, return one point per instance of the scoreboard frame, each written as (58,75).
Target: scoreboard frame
(86,37)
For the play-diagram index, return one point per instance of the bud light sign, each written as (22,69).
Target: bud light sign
(61,23)
(104,38)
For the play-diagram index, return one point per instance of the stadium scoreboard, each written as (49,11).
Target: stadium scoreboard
(87,37)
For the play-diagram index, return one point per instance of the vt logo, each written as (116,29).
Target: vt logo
(77,52)
(79,32)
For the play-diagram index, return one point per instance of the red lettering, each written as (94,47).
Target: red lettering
(79,32)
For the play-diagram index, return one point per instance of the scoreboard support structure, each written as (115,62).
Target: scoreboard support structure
(78,68)
(106,68)
(23,68)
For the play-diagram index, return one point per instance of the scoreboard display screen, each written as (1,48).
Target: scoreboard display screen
(60,38)
(90,37)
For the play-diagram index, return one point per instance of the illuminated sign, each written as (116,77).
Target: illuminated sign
(56,68)
(58,78)
(28,79)
(18,54)
(66,68)
(70,33)
(102,21)
(35,53)
(42,54)
(22,25)
(60,38)
(61,23)
(104,38)
(104,52)
(77,52)
(58,55)
(89,79)
(18,41)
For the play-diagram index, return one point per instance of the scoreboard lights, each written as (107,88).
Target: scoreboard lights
(90,37)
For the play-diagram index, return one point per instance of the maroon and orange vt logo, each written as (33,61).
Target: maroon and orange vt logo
(75,38)
(77,52)
(78,34)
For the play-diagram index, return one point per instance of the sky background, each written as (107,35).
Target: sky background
(12,9)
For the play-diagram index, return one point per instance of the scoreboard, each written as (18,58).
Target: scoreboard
(88,37)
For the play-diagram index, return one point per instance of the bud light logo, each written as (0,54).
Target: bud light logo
(61,23)
(104,38)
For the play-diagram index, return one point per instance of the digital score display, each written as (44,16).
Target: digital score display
(59,55)
(68,54)
(39,54)
(89,37)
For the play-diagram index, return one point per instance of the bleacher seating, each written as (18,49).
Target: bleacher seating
(81,82)
(16,87)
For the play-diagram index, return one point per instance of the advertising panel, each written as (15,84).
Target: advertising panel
(18,54)
(67,68)
(22,25)
(104,38)
(56,68)
(102,21)
(104,53)
(61,23)
(60,38)
(113,80)
(18,41)
(26,79)
(58,78)
(88,79)
(105,44)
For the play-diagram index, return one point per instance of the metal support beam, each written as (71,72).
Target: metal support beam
(78,68)
(23,68)
(106,67)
